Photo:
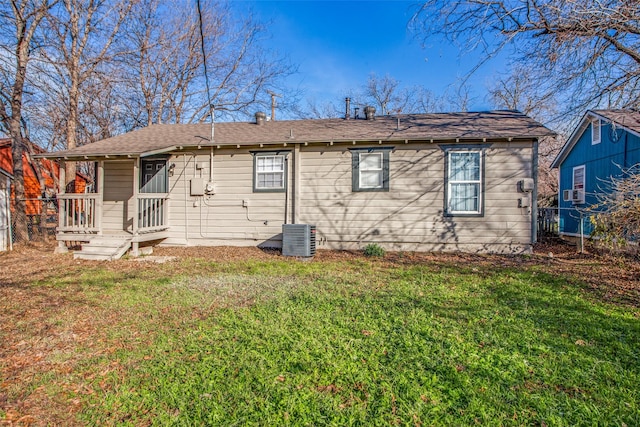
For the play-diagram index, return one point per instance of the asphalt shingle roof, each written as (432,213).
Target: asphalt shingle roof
(440,127)
(629,119)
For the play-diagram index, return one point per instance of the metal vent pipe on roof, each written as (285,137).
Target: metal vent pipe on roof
(370,112)
(347,113)
(260,118)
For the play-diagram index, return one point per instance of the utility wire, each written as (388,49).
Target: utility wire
(204,62)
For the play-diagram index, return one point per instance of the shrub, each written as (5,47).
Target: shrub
(374,249)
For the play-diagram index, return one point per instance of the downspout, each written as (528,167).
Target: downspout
(186,213)
(295,196)
(211,161)
(286,189)
(534,193)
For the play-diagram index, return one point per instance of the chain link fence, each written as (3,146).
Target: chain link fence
(41,220)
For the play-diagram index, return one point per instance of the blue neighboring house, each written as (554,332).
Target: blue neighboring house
(605,143)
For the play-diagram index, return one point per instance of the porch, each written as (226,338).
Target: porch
(114,219)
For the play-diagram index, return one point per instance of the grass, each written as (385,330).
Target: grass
(359,343)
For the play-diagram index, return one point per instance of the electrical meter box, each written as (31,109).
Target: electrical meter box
(197,187)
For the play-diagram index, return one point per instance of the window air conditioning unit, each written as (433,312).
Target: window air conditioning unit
(298,240)
(575,196)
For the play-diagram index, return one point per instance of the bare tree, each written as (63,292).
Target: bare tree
(461,98)
(84,32)
(241,69)
(315,110)
(518,91)
(586,51)
(427,102)
(615,216)
(388,94)
(23,18)
(165,62)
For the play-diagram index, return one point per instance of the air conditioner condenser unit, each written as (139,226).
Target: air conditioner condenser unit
(298,240)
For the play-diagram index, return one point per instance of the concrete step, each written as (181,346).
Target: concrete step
(92,257)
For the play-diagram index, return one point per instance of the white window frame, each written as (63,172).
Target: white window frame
(596,131)
(580,186)
(257,172)
(477,182)
(379,170)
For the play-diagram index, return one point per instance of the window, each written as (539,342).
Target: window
(270,172)
(154,177)
(577,195)
(464,182)
(595,132)
(370,169)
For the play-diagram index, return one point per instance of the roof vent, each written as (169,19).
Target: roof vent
(260,118)
(347,113)
(370,112)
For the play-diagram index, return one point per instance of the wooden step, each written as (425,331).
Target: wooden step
(104,248)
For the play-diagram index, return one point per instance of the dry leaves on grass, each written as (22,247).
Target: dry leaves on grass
(34,342)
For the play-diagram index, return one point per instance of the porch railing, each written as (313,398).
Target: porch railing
(152,212)
(78,212)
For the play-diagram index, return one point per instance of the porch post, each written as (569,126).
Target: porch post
(136,207)
(100,199)
(62,206)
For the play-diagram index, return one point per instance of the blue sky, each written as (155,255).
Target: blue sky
(338,44)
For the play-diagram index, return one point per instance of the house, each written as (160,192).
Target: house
(50,172)
(603,145)
(454,182)
(34,193)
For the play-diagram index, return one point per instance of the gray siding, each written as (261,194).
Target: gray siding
(407,217)
(221,218)
(410,216)
(118,191)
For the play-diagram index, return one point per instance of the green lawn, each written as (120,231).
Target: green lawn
(363,342)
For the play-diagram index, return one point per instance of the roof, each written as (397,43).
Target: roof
(6,142)
(625,119)
(628,119)
(6,160)
(410,127)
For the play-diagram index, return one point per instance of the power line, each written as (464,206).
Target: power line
(204,62)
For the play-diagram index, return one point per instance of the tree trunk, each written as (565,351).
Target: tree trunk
(20,212)
(72,127)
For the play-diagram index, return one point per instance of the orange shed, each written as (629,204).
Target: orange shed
(50,172)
